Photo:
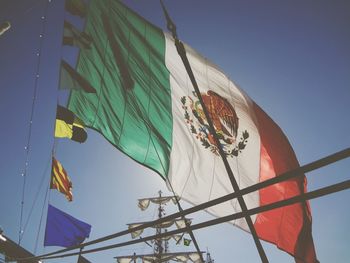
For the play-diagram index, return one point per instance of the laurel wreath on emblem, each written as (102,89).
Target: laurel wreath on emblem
(224,119)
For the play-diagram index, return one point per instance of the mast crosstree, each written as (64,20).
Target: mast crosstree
(161,245)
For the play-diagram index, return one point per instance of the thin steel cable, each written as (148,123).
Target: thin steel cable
(214,156)
(37,194)
(283,177)
(235,186)
(41,218)
(187,224)
(45,198)
(27,147)
(290,201)
(234,202)
(182,53)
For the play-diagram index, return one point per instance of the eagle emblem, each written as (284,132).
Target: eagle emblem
(224,118)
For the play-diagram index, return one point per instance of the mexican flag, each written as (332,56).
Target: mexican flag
(145,106)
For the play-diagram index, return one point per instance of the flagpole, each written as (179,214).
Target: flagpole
(182,53)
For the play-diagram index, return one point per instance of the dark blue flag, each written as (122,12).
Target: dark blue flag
(63,229)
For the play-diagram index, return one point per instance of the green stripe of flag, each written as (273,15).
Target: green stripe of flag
(132,106)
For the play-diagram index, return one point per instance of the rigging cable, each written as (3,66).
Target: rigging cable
(290,201)
(53,153)
(190,232)
(42,179)
(41,217)
(27,147)
(181,50)
(282,177)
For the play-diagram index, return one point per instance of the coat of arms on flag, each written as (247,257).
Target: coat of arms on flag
(224,118)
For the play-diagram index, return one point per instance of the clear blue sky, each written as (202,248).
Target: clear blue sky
(291,57)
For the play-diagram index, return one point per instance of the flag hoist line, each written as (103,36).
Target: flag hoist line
(182,53)
(280,178)
(27,148)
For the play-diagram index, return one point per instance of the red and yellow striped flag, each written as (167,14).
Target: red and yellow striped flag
(60,180)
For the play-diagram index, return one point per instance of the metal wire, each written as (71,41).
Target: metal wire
(286,176)
(27,147)
(296,199)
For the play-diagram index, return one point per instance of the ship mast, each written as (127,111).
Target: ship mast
(158,247)
(209,259)
(161,251)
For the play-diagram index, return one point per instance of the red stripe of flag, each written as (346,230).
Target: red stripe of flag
(288,227)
